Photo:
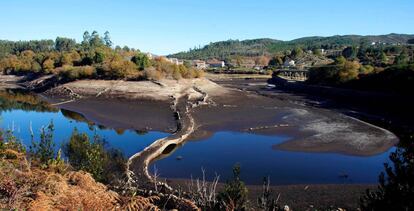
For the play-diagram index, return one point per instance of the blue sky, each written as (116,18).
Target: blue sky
(168,26)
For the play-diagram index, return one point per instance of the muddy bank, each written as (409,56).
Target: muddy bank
(148,105)
(163,90)
(139,115)
(311,129)
(301,197)
(9,81)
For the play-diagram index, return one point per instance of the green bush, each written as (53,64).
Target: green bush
(338,73)
(44,149)
(70,73)
(9,141)
(91,156)
(234,195)
(141,60)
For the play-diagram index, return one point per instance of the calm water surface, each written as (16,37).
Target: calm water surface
(129,142)
(257,159)
(216,154)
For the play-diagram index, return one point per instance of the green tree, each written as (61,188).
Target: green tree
(402,58)
(317,52)
(383,58)
(64,44)
(350,52)
(107,39)
(99,56)
(126,49)
(96,40)
(276,61)
(86,39)
(141,60)
(297,52)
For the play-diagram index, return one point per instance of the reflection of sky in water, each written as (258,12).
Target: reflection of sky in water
(257,159)
(129,142)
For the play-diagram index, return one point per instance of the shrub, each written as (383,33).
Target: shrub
(9,141)
(234,195)
(141,60)
(340,72)
(396,188)
(176,74)
(44,149)
(48,65)
(266,201)
(117,68)
(366,69)
(58,164)
(91,156)
(153,74)
(70,73)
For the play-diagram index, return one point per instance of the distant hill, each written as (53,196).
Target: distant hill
(257,47)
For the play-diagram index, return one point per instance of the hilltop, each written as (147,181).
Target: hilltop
(257,47)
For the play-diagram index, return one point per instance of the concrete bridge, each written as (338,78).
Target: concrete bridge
(292,74)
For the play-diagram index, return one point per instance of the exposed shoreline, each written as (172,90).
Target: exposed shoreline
(313,130)
(203,107)
(301,196)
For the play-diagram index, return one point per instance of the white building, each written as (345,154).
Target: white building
(216,64)
(149,55)
(199,64)
(289,63)
(175,61)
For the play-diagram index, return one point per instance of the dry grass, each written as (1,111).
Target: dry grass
(26,187)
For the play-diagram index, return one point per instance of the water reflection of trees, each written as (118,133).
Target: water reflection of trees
(12,99)
(81,118)
(76,116)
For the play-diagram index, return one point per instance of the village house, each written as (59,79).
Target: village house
(333,53)
(149,55)
(175,61)
(216,63)
(289,63)
(199,64)
(258,67)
